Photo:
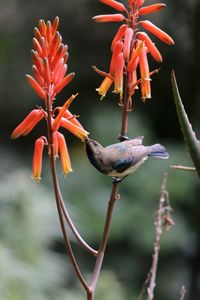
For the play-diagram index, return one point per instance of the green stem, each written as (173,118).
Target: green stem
(186,127)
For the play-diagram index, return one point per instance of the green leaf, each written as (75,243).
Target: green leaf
(191,141)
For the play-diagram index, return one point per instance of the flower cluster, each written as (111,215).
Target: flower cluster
(130,48)
(50,57)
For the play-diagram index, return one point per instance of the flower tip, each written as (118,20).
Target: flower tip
(56,19)
(66,173)
(37,179)
(13,136)
(84,138)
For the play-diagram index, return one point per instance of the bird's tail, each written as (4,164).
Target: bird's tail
(159,151)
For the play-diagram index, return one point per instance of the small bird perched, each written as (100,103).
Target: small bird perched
(121,159)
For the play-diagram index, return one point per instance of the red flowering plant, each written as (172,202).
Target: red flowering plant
(131,46)
(128,70)
(50,57)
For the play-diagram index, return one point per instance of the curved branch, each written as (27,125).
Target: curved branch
(73,228)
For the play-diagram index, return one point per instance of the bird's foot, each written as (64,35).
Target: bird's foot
(116,180)
(123,138)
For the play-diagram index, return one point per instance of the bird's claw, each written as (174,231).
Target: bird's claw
(116,180)
(123,138)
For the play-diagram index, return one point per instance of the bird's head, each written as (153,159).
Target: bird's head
(93,146)
(96,155)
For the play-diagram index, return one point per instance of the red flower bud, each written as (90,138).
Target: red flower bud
(150,45)
(115,4)
(109,18)
(127,43)
(65,81)
(151,8)
(35,85)
(113,64)
(28,123)
(119,35)
(163,36)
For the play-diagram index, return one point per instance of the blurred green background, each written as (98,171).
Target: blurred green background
(33,264)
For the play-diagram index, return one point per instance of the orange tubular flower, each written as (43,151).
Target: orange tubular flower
(25,127)
(79,132)
(144,72)
(72,118)
(117,50)
(55,142)
(132,65)
(64,154)
(37,158)
(134,44)
(62,112)
(119,74)
(104,87)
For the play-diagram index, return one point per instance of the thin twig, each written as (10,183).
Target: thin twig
(182,293)
(183,168)
(163,220)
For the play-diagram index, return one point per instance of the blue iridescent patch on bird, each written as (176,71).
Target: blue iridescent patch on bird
(122,165)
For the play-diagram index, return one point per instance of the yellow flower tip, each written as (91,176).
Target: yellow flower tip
(85,137)
(100,93)
(74,96)
(67,172)
(103,96)
(13,137)
(37,179)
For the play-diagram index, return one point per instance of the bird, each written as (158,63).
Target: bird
(121,159)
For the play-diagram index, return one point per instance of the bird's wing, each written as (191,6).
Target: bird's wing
(122,165)
(135,141)
(122,157)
